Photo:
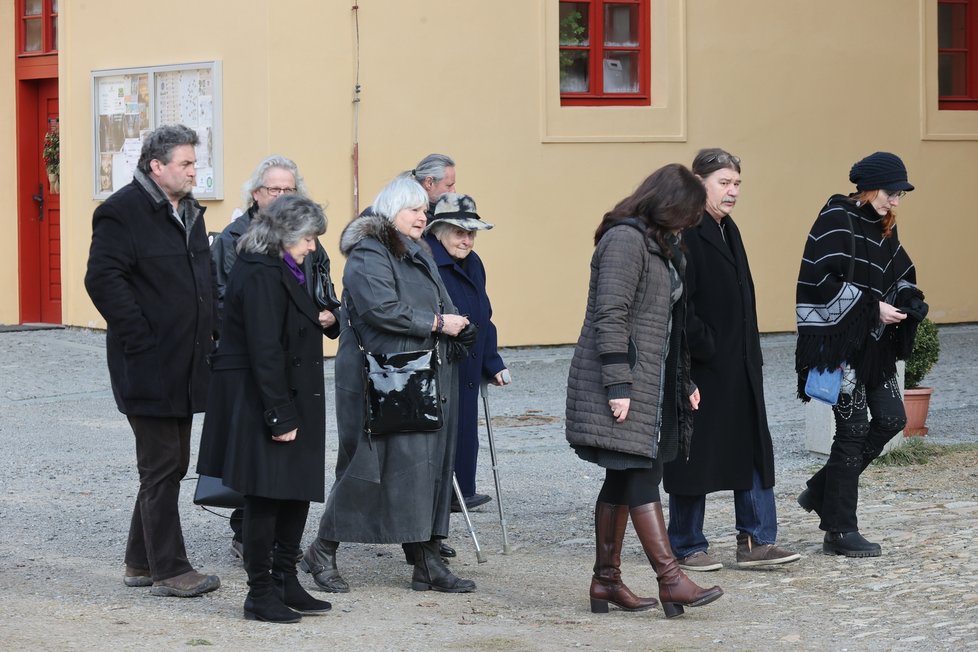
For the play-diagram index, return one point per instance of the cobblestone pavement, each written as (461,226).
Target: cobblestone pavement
(69,483)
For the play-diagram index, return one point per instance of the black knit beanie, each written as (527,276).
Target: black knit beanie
(880,171)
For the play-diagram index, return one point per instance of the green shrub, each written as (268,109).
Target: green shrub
(926,350)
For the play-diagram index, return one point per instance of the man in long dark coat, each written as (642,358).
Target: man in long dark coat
(150,276)
(731,446)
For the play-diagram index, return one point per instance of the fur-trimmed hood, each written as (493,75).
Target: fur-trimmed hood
(380,229)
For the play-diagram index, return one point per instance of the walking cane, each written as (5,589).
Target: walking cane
(495,467)
(465,512)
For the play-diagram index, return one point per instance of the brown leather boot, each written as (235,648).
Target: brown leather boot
(606,585)
(675,589)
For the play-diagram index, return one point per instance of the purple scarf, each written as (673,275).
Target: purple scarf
(294,267)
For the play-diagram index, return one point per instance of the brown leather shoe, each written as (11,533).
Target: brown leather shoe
(758,555)
(137,577)
(186,585)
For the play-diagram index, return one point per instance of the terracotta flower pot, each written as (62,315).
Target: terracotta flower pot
(916,402)
(54,182)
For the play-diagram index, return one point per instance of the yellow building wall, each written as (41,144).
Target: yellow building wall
(9,305)
(797,93)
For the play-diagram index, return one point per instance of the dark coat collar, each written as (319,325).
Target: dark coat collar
(296,292)
(710,234)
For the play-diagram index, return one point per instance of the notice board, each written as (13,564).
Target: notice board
(127,103)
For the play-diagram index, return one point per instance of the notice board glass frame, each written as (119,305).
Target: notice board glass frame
(127,103)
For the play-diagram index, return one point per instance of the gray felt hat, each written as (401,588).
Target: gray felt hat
(458,210)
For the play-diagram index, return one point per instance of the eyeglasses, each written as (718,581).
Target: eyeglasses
(275,191)
(894,194)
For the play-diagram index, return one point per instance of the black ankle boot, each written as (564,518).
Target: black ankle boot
(444,550)
(320,561)
(850,544)
(296,597)
(264,604)
(431,572)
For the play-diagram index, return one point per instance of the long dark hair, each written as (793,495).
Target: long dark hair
(670,199)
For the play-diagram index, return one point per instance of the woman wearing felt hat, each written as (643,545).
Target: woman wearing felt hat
(451,235)
(857,304)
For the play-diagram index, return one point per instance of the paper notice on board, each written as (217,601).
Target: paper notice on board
(121,174)
(131,149)
(205,181)
(205,110)
(111,96)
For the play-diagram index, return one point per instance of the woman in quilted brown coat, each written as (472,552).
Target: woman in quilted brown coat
(629,396)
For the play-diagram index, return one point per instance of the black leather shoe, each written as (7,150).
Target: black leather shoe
(471,502)
(850,544)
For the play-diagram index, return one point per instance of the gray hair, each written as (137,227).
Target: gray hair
(257,179)
(160,143)
(432,165)
(403,192)
(710,160)
(440,226)
(281,224)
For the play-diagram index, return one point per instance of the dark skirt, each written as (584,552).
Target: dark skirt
(614,460)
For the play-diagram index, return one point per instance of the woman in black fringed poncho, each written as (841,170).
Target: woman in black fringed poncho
(858,304)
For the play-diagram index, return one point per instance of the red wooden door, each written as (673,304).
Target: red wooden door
(40,214)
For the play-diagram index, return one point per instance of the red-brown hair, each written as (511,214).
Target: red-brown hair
(866,197)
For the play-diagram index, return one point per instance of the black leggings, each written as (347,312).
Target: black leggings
(632,487)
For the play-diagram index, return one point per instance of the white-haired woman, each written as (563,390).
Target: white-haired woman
(264,430)
(394,488)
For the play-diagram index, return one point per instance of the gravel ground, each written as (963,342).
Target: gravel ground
(70,481)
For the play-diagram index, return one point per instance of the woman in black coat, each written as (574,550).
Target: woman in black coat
(264,431)
(451,236)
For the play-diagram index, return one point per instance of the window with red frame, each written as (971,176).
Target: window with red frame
(957,54)
(38,33)
(604,52)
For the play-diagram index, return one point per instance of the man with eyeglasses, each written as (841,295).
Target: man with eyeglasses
(731,448)
(275,176)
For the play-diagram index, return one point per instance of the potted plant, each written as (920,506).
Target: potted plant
(916,399)
(52,158)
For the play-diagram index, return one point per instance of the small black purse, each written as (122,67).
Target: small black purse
(323,292)
(212,492)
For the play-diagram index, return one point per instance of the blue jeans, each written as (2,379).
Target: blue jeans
(755,512)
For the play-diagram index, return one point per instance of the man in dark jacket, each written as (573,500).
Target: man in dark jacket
(150,276)
(731,447)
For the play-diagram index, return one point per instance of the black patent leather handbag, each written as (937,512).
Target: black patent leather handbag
(401,390)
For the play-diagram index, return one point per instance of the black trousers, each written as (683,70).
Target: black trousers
(858,441)
(272,538)
(155,534)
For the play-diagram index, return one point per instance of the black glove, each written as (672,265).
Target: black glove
(910,300)
(458,346)
(916,308)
